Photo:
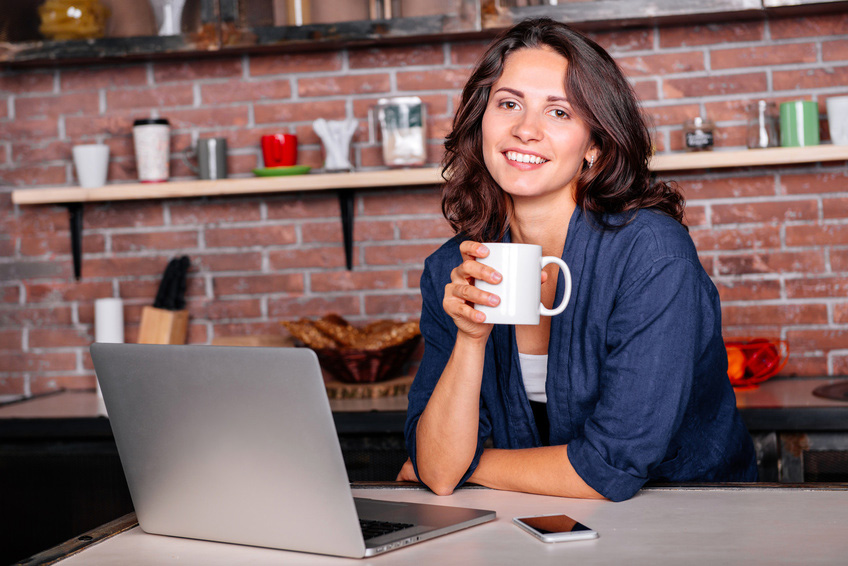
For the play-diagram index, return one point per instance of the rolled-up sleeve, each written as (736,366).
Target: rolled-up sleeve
(439,333)
(663,318)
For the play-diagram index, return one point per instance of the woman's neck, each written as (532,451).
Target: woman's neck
(544,224)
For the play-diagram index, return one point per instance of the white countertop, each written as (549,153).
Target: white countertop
(748,526)
(786,394)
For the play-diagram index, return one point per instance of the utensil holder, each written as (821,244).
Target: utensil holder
(162,326)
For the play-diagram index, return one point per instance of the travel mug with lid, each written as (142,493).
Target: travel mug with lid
(151,137)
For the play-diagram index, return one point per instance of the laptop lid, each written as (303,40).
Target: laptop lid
(238,445)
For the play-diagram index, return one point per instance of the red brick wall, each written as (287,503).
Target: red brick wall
(774,239)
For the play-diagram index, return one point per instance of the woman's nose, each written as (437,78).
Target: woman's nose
(527,127)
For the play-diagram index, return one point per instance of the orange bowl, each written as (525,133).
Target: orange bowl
(751,361)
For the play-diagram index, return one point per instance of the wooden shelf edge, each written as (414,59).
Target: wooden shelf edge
(237,186)
(748,157)
(396,177)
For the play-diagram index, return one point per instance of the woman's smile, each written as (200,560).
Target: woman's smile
(518,157)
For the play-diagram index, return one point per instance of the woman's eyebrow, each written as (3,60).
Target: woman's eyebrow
(519,94)
(512,91)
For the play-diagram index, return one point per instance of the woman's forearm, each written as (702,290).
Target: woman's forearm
(446,437)
(545,471)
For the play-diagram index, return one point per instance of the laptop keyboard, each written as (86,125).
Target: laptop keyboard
(373,529)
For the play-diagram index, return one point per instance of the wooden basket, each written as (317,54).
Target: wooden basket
(366,366)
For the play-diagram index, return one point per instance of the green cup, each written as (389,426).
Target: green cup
(799,123)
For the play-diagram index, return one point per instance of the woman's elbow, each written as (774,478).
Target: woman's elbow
(444,489)
(438,483)
(441,488)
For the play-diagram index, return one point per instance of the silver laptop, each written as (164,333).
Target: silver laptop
(238,445)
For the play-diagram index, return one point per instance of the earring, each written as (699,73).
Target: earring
(591,161)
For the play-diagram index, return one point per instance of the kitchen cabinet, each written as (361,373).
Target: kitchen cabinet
(800,435)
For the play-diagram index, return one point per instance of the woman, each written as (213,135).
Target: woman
(629,384)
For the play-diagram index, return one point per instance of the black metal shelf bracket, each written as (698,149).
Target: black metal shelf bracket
(346,203)
(75,212)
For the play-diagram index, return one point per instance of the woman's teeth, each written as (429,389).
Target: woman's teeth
(524,158)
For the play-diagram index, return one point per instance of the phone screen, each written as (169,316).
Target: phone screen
(554,524)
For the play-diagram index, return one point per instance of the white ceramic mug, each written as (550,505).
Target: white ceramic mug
(520,290)
(837,119)
(91,162)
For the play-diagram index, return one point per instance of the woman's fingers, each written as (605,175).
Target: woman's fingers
(465,316)
(469,294)
(470,271)
(461,294)
(471,249)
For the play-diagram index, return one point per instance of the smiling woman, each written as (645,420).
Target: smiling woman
(629,383)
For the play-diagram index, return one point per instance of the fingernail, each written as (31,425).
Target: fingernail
(479,317)
(496,277)
(493,300)
(482,249)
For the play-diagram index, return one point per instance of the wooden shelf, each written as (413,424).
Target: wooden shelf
(255,185)
(396,177)
(749,157)
(345,183)
(464,19)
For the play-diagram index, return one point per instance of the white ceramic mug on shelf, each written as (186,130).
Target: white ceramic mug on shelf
(837,119)
(520,290)
(91,162)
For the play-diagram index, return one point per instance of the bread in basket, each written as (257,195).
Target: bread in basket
(368,354)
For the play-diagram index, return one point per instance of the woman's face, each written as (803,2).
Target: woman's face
(533,143)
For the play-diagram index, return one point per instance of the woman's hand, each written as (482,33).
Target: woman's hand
(407,472)
(461,295)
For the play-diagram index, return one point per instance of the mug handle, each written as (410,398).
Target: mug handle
(566,295)
(190,153)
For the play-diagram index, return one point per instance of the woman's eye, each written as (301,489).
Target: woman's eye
(509,105)
(559,113)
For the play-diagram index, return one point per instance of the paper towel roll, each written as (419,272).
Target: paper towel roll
(108,327)
(109,320)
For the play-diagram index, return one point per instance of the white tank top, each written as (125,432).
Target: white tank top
(534,372)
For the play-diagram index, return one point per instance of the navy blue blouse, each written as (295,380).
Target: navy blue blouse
(637,370)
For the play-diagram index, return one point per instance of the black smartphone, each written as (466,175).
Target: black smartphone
(555,528)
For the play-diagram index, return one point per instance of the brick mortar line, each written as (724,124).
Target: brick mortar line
(827,301)
(332,294)
(789,198)
(776,172)
(742,227)
(771,251)
(817,328)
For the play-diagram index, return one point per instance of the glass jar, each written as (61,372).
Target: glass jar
(698,134)
(762,125)
(403,125)
(73,19)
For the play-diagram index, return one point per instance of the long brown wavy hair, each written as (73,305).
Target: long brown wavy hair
(619,181)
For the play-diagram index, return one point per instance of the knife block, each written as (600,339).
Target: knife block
(161,326)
